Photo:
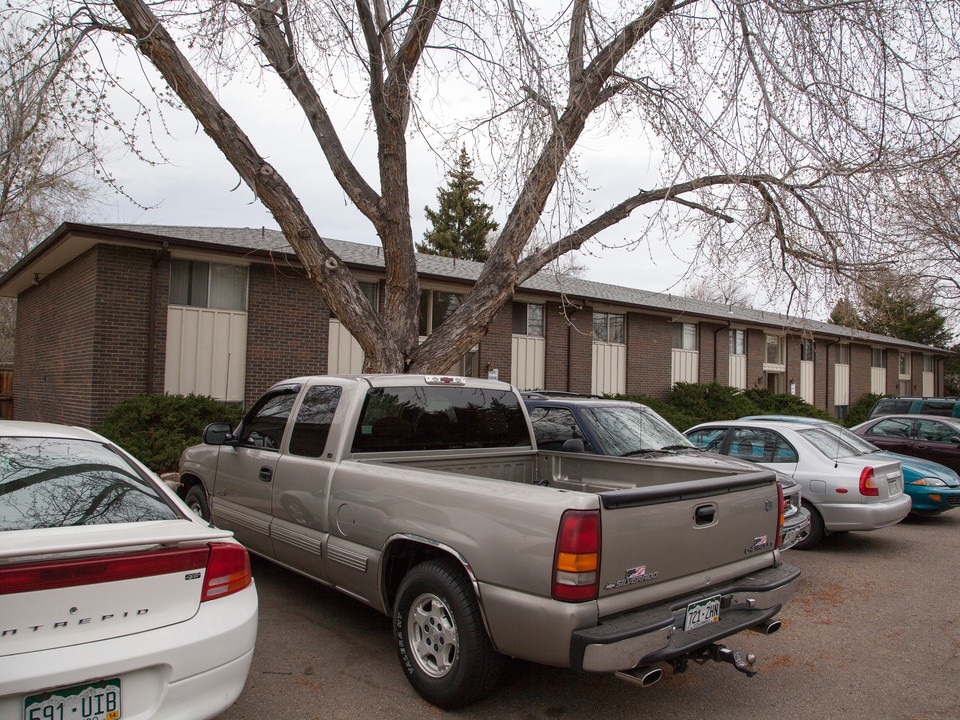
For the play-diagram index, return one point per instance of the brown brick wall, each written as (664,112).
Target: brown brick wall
(860,357)
(55,346)
(496,350)
(649,357)
(121,336)
(756,347)
(556,342)
(288,328)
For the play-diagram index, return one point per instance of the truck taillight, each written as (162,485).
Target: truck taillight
(576,566)
(868,485)
(228,571)
(783,511)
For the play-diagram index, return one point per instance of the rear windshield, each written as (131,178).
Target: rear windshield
(831,444)
(890,406)
(53,482)
(439,418)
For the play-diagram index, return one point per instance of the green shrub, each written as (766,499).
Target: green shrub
(859,410)
(156,428)
(690,404)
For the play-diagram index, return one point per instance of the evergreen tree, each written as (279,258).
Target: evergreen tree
(888,306)
(462,222)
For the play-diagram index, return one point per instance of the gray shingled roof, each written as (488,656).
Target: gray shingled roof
(358,254)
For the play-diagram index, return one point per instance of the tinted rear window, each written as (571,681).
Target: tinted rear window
(439,418)
(47,482)
(891,406)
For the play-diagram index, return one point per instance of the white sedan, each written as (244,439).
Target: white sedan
(117,602)
(843,489)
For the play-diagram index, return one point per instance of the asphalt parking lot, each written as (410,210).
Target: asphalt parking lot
(873,632)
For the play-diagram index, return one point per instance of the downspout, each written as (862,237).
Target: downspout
(152,316)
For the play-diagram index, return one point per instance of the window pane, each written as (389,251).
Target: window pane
(928,363)
(372,292)
(263,426)
(878,358)
(738,342)
(188,283)
(423,319)
(535,320)
(773,350)
(228,287)
(843,354)
(904,363)
(615,332)
(807,350)
(444,305)
(690,337)
(519,318)
(309,437)
(600,327)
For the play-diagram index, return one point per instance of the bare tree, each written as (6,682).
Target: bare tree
(44,161)
(776,120)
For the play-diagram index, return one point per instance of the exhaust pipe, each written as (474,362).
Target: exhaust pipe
(643,676)
(768,627)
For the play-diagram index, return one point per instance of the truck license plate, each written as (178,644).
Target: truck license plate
(702,612)
(91,701)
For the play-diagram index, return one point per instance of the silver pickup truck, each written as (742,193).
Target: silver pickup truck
(427,499)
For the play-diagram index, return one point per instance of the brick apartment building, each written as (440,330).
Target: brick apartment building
(105,312)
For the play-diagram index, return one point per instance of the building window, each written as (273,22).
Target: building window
(738,342)
(371,291)
(774,350)
(608,327)
(685,336)
(904,365)
(878,358)
(435,307)
(928,363)
(843,355)
(527,319)
(807,353)
(208,285)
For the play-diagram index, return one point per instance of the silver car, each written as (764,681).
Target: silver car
(843,489)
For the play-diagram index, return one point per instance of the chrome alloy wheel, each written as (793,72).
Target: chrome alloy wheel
(433,635)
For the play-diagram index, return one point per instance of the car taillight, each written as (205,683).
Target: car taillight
(33,577)
(868,485)
(783,511)
(576,564)
(228,571)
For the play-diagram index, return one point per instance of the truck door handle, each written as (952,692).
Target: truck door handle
(266,474)
(705,514)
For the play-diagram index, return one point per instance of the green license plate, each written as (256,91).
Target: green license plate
(91,701)
(702,612)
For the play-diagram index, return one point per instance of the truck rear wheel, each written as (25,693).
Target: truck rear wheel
(441,643)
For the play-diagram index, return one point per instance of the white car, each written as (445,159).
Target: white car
(843,489)
(117,602)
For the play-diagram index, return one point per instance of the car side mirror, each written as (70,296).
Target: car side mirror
(955,439)
(574,445)
(217,434)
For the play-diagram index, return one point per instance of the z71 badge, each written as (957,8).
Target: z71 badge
(632,576)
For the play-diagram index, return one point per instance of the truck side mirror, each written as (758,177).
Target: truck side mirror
(217,434)
(574,445)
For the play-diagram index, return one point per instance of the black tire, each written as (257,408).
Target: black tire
(441,643)
(816,533)
(196,498)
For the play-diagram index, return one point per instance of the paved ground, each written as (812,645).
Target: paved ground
(873,632)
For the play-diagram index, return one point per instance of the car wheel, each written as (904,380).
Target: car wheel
(441,643)
(816,532)
(196,498)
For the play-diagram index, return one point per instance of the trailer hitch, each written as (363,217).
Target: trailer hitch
(718,653)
